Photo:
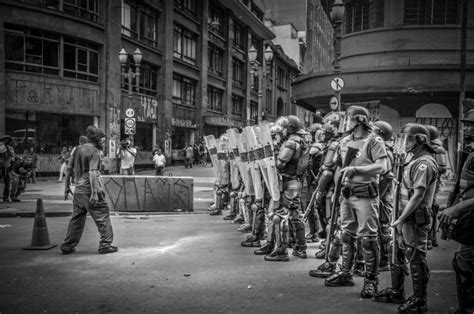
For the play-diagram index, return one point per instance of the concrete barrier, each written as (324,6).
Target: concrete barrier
(148,193)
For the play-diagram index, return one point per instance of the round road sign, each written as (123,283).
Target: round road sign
(130,123)
(130,112)
(337,84)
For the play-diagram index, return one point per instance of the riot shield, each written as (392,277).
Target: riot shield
(223,177)
(248,137)
(259,149)
(236,168)
(272,171)
(245,164)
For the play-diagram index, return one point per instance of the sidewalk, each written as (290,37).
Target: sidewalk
(52,194)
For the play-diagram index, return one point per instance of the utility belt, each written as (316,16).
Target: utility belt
(361,190)
(421,216)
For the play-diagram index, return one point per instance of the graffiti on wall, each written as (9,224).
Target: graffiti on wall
(145,109)
(61,97)
(149,193)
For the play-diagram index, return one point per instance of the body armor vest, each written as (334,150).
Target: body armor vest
(406,189)
(466,184)
(362,158)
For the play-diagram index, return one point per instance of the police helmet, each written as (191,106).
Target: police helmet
(420,133)
(360,114)
(294,124)
(434,135)
(383,129)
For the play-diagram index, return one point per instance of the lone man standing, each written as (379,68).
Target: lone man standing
(127,155)
(89,196)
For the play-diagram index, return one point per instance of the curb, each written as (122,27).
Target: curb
(112,214)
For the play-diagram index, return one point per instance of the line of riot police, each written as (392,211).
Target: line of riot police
(368,194)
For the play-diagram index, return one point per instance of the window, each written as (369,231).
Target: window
(216,15)
(257,12)
(140,23)
(215,97)
(147,83)
(87,9)
(239,36)
(268,100)
(237,104)
(282,78)
(46,132)
(184,90)
(215,59)
(364,14)
(33,50)
(184,44)
(237,72)
(81,60)
(431,12)
(188,6)
(254,111)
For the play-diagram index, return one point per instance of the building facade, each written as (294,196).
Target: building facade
(400,59)
(60,72)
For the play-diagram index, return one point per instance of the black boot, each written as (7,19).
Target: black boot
(324,270)
(300,251)
(395,294)
(264,250)
(280,254)
(251,241)
(369,290)
(417,303)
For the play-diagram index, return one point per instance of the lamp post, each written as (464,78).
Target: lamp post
(130,74)
(133,78)
(337,14)
(256,67)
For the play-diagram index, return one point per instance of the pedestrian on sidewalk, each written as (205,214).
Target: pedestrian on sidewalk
(89,196)
(7,153)
(188,156)
(160,161)
(30,153)
(127,155)
(20,171)
(63,159)
(70,167)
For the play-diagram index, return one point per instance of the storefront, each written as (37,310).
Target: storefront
(145,109)
(217,125)
(184,132)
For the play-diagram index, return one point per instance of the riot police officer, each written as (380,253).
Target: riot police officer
(440,155)
(417,193)
(287,163)
(463,198)
(365,157)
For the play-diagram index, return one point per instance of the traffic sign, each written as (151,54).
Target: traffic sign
(130,126)
(337,84)
(129,113)
(334,103)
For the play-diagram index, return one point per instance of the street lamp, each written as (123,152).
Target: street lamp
(130,74)
(256,67)
(337,14)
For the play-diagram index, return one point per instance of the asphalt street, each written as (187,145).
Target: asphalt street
(179,264)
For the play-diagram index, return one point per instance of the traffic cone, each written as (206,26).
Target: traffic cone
(40,237)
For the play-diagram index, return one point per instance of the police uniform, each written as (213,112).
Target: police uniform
(287,162)
(360,209)
(463,262)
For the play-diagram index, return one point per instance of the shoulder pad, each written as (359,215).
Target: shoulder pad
(333,145)
(291,144)
(440,150)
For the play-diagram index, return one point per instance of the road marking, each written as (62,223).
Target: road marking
(441,271)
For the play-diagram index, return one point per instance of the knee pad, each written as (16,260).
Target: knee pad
(347,238)
(369,243)
(254,208)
